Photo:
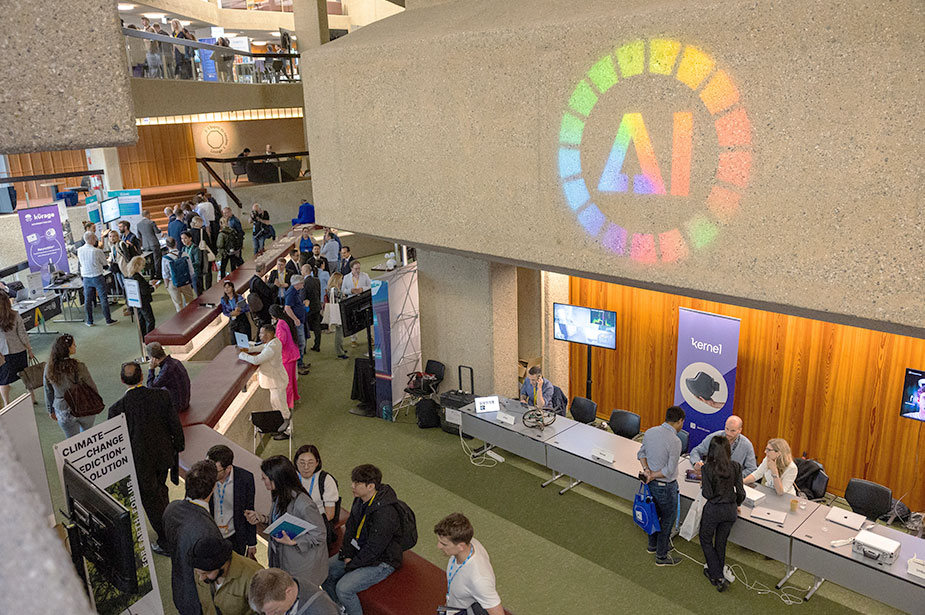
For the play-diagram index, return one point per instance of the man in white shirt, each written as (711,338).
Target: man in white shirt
(354,284)
(91,262)
(271,374)
(470,578)
(182,292)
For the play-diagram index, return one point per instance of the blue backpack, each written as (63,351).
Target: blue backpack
(179,271)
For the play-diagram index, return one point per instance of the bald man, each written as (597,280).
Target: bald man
(742,449)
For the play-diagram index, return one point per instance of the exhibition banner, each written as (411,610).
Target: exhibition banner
(206,60)
(44,239)
(382,348)
(708,350)
(103,454)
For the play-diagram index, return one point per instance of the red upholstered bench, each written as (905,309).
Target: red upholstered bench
(216,386)
(184,325)
(339,530)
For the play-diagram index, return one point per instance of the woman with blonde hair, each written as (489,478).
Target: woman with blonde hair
(145,313)
(777,468)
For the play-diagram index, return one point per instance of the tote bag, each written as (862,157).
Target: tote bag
(691,525)
(331,314)
(644,513)
(33,375)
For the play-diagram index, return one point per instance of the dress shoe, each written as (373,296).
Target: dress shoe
(160,550)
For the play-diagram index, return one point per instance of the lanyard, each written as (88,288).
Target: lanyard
(454,570)
(221,496)
(363,520)
(311,484)
(534,394)
(356,281)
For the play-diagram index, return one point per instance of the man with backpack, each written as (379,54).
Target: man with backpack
(178,275)
(379,529)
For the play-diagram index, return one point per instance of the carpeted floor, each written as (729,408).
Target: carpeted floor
(574,554)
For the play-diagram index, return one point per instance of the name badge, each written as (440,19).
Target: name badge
(603,455)
(504,417)
(355,544)
(453,417)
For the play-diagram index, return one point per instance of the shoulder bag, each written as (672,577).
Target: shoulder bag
(644,513)
(83,400)
(33,375)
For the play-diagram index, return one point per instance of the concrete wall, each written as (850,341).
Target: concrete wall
(157,97)
(804,186)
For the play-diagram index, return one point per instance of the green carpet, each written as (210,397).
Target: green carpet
(571,554)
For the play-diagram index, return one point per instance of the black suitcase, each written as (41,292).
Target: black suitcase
(454,400)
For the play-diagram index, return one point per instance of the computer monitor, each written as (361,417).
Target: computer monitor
(110,210)
(912,404)
(583,325)
(356,312)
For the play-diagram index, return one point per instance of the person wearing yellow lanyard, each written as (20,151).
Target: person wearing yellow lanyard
(470,579)
(372,540)
(536,390)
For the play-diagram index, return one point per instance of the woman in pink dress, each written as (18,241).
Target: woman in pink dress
(285,331)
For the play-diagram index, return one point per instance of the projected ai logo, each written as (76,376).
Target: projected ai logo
(654,150)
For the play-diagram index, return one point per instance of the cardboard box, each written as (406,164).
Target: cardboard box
(524,365)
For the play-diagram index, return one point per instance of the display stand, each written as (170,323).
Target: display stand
(133,300)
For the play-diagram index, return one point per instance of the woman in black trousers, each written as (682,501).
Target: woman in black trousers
(145,313)
(723,489)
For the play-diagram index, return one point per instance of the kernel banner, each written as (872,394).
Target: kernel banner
(705,377)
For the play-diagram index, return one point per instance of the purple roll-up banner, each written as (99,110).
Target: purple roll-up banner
(705,377)
(44,239)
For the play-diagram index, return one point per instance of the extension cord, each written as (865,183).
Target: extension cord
(495,456)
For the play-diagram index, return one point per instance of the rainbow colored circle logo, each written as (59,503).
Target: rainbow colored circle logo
(720,98)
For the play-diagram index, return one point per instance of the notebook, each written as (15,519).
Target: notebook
(846,518)
(766,514)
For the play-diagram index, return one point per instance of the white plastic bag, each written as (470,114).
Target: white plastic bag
(691,525)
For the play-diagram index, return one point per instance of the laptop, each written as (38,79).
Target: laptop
(241,340)
(766,514)
(846,518)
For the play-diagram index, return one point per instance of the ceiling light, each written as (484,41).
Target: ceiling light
(276,34)
(259,43)
(230,34)
(126,7)
(154,15)
(294,37)
(185,23)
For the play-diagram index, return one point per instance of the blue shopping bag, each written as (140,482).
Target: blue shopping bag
(644,513)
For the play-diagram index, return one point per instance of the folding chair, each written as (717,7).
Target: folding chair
(267,424)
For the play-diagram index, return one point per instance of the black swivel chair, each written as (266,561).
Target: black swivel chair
(868,498)
(584,410)
(685,439)
(624,423)
(820,486)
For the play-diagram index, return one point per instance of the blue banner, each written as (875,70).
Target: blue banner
(44,239)
(705,377)
(382,348)
(206,61)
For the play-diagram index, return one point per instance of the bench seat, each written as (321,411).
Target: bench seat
(216,386)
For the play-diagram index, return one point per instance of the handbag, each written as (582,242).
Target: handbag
(644,513)
(331,314)
(691,525)
(83,400)
(204,248)
(34,374)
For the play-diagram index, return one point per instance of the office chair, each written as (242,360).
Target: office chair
(584,410)
(808,481)
(868,498)
(820,486)
(267,424)
(624,423)
(685,439)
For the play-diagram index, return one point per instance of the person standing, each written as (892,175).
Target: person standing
(202,239)
(223,578)
(14,346)
(206,211)
(306,556)
(165,372)
(311,298)
(91,262)
(354,284)
(178,275)
(659,456)
(234,494)
(156,436)
(151,241)
(125,233)
(345,264)
(271,374)
(175,224)
(330,249)
(295,309)
(61,373)
(260,290)
(470,579)
(186,522)
(285,331)
(194,254)
(226,246)
(334,298)
(146,292)
(280,277)
(320,486)
(743,452)
(724,492)
(261,228)
(275,591)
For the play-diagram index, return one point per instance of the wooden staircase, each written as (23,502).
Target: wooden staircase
(156,202)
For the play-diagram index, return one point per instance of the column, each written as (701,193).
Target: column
(106,158)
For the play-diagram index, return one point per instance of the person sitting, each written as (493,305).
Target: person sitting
(275,591)
(743,452)
(235,309)
(470,579)
(372,540)
(777,468)
(536,390)
(165,372)
(271,374)
(723,491)
(223,577)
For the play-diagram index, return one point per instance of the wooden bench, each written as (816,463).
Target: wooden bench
(216,386)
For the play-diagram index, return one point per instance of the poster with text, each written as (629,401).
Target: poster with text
(103,455)
(206,60)
(44,238)
(382,348)
(708,350)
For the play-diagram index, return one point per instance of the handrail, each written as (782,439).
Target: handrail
(246,158)
(221,183)
(204,161)
(188,43)
(63,175)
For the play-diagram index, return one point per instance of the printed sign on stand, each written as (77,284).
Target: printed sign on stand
(382,348)
(44,239)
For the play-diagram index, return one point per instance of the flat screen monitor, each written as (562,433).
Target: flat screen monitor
(912,405)
(582,325)
(356,312)
(105,527)
(110,210)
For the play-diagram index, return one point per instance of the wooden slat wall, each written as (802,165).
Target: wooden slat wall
(163,156)
(38,163)
(830,390)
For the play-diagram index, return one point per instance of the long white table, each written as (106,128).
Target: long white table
(802,542)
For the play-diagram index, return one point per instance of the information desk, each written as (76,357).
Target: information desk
(893,585)
(527,442)
(39,311)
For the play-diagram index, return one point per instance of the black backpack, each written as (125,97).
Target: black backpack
(427,413)
(330,523)
(409,526)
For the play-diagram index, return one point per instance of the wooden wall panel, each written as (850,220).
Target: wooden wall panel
(830,390)
(38,163)
(163,156)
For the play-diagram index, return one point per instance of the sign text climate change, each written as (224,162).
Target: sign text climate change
(99,454)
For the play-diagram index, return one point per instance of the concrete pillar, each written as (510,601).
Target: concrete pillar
(529,314)
(554,289)
(469,317)
(311,25)
(106,158)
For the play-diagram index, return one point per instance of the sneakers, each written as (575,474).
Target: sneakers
(342,356)
(303,371)
(668,560)
(89,324)
(650,550)
(109,323)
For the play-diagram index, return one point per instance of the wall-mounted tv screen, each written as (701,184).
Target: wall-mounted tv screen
(582,325)
(912,405)
(110,209)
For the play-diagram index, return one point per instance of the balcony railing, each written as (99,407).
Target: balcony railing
(157,56)
(261,169)
(284,6)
